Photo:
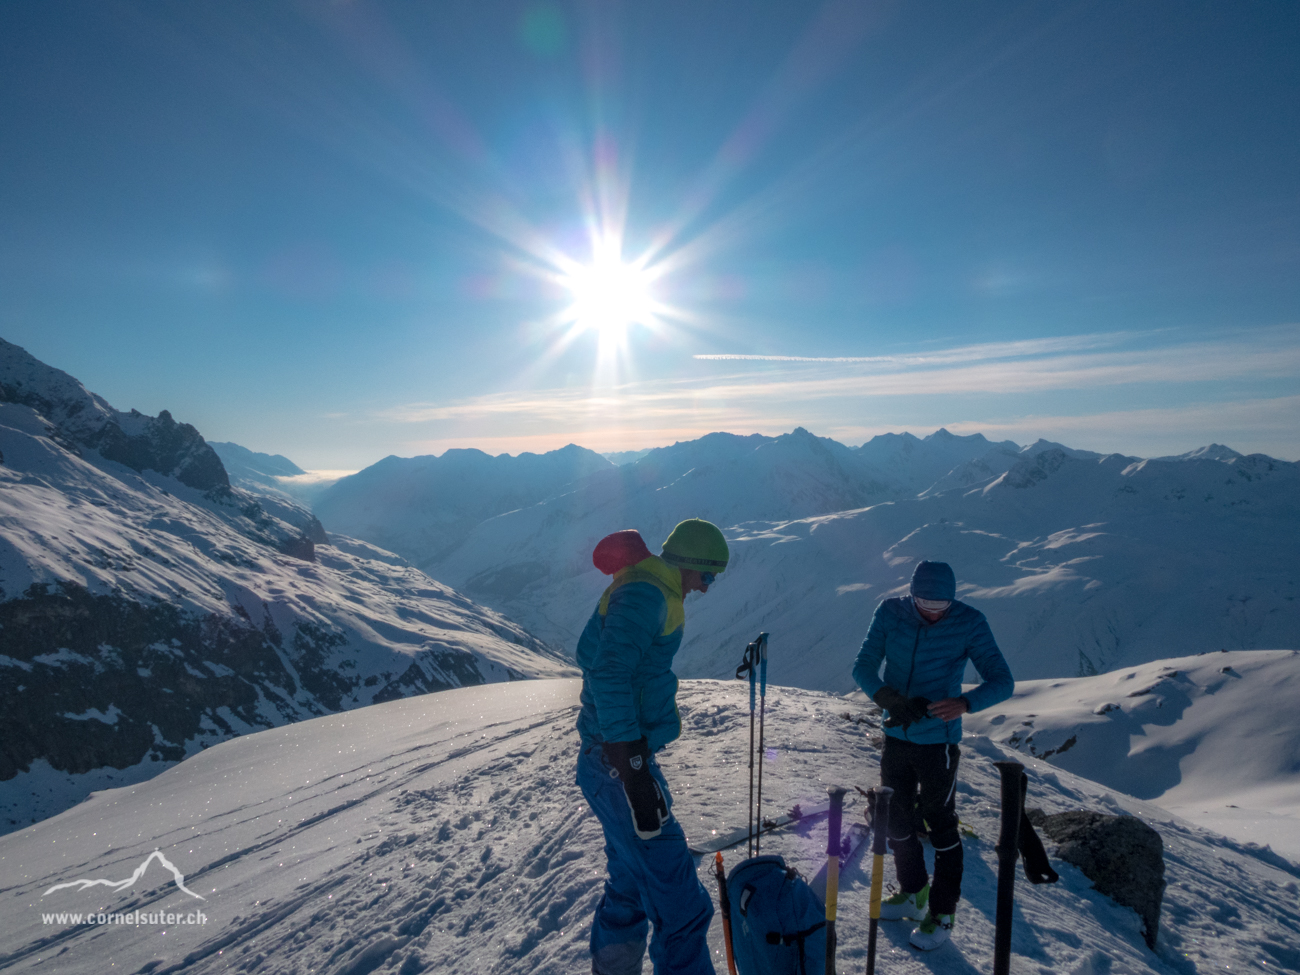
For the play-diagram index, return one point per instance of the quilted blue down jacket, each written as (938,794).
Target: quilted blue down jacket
(924,659)
(626,654)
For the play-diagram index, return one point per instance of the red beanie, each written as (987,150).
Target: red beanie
(618,551)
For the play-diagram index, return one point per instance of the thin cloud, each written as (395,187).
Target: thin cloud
(968,353)
(753,397)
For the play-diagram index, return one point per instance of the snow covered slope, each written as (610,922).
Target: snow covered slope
(1214,738)
(148,610)
(445,834)
(1082,563)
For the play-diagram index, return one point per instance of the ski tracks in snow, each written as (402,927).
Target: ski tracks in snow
(473,851)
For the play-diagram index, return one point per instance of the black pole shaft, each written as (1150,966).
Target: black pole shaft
(753,675)
(762,717)
(1008,850)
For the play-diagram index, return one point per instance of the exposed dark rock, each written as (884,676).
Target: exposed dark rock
(1035,469)
(95,681)
(165,446)
(299,548)
(1121,855)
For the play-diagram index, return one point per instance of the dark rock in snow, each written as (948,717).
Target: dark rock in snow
(1121,855)
(299,548)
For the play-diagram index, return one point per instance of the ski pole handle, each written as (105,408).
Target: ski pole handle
(762,664)
(752,653)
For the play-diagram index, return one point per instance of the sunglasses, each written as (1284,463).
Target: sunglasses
(932,605)
(706,578)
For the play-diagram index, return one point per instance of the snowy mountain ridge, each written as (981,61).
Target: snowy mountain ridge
(149,610)
(1081,562)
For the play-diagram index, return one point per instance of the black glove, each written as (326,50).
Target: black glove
(631,765)
(903,711)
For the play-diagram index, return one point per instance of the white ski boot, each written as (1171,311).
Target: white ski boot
(933,931)
(911,906)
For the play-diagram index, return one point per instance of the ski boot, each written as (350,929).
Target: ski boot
(933,931)
(911,906)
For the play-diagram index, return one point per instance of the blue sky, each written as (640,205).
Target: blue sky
(339,230)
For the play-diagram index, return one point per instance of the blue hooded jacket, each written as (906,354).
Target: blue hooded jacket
(924,659)
(626,654)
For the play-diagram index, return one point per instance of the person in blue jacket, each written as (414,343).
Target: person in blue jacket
(924,641)
(629,711)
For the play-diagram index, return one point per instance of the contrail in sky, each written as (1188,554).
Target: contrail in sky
(798,358)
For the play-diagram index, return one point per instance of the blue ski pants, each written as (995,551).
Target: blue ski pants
(649,882)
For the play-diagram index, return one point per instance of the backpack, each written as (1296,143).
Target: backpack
(778,925)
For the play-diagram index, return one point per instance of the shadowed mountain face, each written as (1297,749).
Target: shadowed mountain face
(242,462)
(423,507)
(148,609)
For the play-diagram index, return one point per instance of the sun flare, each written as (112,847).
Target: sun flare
(609,296)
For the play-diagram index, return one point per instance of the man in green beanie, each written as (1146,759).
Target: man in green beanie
(629,711)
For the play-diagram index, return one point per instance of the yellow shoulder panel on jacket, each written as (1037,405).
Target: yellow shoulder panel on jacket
(663,577)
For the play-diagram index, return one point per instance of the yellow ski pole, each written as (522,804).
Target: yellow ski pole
(833,847)
(879,804)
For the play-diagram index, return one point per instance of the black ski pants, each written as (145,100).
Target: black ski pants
(924,780)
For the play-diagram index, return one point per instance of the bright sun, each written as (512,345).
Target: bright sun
(609,296)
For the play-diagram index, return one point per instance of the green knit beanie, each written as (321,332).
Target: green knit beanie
(697,544)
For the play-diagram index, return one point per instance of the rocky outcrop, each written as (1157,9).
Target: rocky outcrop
(165,446)
(80,420)
(1121,855)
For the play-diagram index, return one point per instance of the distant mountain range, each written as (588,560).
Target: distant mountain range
(426,506)
(1082,561)
(148,608)
(273,475)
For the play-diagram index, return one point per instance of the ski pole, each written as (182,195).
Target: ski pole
(762,714)
(833,847)
(1008,850)
(750,652)
(724,901)
(878,800)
